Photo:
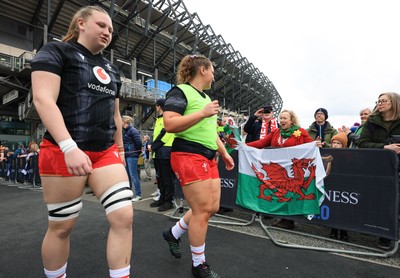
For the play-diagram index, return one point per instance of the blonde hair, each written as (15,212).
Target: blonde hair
(33,147)
(394,98)
(293,117)
(127,119)
(84,13)
(189,66)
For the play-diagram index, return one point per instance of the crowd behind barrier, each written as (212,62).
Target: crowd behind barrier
(21,170)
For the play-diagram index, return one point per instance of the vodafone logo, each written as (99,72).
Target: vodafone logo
(101,75)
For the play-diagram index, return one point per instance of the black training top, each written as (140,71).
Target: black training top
(89,86)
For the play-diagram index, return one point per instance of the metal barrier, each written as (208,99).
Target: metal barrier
(374,252)
(21,170)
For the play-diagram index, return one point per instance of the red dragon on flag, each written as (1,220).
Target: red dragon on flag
(278,181)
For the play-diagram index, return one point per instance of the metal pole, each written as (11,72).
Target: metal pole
(156,78)
(45,34)
(133,70)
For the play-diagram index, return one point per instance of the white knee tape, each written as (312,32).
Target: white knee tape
(117,196)
(65,211)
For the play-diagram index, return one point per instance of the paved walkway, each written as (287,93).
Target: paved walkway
(23,220)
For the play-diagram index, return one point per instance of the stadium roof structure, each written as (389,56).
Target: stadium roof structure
(157,34)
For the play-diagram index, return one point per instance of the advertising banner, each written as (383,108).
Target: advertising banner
(228,182)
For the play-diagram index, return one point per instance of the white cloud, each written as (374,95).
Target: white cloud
(339,55)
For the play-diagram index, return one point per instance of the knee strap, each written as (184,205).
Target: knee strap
(117,196)
(65,211)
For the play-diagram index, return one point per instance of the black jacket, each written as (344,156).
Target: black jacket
(375,135)
(253,128)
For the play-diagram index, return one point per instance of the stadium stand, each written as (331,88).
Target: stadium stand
(149,40)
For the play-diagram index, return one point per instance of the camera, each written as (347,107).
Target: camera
(267,110)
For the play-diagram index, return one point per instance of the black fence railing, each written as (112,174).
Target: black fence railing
(21,170)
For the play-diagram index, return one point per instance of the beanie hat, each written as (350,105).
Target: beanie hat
(322,110)
(160,102)
(355,127)
(342,137)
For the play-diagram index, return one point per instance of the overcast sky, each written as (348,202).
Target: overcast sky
(339,54)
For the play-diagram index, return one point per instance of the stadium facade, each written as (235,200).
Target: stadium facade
(150,39)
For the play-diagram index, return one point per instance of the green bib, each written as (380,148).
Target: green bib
(205,131)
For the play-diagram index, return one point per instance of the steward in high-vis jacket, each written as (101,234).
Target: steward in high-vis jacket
(161,149)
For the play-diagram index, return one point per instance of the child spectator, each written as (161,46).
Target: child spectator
(9,159)
(339,141)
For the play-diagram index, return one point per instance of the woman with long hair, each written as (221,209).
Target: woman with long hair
(76,93)
(383,124)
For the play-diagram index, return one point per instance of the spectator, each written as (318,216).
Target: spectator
(321,129)
(220,121)
(146,149)
(354,135)
(132,149)
(220,128)
(33,149)
(9,158)
(20,151)
(2,148)
(382,131)
(289,134)
(260,124)
(339,141)
(223,126)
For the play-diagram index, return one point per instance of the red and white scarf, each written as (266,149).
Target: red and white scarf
(264,127)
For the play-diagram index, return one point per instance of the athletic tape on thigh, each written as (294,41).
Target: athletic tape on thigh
(65,211)
(117,196)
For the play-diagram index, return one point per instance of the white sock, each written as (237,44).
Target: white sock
(59,273)
(198,254)
(120,273)
(179,229)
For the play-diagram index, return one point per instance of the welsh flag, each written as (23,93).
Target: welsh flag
(282,181)
(232,135)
